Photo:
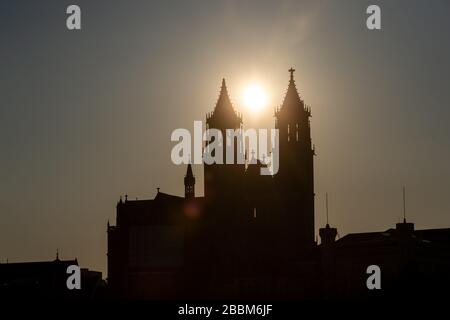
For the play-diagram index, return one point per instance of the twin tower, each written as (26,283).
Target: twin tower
(236,194)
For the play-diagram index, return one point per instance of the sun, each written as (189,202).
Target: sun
(255,98)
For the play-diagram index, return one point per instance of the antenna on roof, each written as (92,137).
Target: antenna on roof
(404,205)
(326,201)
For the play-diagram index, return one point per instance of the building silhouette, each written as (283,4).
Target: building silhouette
(414,264)
(252,236)
(47,280)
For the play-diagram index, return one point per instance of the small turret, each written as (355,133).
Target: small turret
(327,235)
(189,183)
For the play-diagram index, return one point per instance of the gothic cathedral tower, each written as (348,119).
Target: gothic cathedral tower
(223,181)
(295,178)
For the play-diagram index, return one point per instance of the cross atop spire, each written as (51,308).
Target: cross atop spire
(291,71)
(291,99)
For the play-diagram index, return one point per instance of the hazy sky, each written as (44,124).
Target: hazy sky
(86,116)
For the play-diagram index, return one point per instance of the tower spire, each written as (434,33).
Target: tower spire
(189,183)
(292,97)
(223,102)
(224,108)
(189,173)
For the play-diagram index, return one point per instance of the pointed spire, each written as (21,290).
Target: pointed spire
(224,98)
(292,97)
(189,173)
(223,102)
(224,116)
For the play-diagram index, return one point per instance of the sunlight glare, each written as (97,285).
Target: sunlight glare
(255,98)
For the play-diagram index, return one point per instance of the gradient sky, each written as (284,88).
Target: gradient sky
(86,116)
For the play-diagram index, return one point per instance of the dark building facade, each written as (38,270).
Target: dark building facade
(47,280)
(414,264)
(252,236)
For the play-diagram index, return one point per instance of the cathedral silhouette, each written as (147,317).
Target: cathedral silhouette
(252,236)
